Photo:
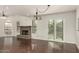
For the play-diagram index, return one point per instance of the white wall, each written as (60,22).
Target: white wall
(69,19)
(24,21)
(42,30)
(2,22)
(69,26)
(77,32)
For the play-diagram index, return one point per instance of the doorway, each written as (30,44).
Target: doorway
(55,30)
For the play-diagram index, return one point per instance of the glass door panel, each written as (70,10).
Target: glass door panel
(51,30)
(55,30)
(59,30)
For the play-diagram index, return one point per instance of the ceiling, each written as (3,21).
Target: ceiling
(29,10)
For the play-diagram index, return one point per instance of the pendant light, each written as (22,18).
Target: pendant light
(37,16)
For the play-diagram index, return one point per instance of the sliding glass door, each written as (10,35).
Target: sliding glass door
(55,27)
(51,29)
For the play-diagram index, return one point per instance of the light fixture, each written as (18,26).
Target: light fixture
(37,16)
(3,13)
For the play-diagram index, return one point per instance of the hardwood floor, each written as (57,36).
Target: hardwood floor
(36,46)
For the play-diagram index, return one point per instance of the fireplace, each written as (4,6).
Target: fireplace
(25,32)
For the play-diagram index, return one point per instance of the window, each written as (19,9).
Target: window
(18,28)
(59,29)
(8,27)
(51,29)
(34,26)
(55,29)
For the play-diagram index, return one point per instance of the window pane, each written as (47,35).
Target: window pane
(59,29)
(8,27)
(51,29)
(34,26)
